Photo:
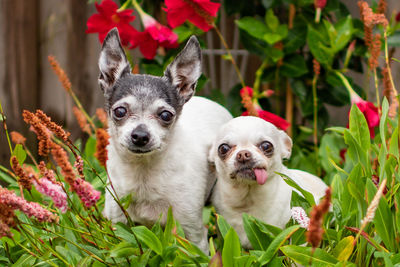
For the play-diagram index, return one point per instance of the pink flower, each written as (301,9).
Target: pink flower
(54,191)
(32,209)
(199,12)
(155,35)
(320,3)
(369,110)
(272,118)
(85,192)
(109,17)
(300,216)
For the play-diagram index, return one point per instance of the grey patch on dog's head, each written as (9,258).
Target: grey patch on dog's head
(147,88)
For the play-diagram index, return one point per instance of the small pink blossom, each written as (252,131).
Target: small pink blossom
(86,192)
(300,216)
(32,209)
(55,191)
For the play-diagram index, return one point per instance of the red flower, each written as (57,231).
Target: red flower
(248,89)
(320,3)
(199,12)
(398,17)
(272,118)
(109,17)
(154,35)
(369,110)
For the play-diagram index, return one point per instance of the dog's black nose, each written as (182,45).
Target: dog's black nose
(243,156)
(140,137)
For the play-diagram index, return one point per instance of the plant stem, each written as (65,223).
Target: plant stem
(3,118)
(315,112)
(230,55)
(378,101)
(257,81)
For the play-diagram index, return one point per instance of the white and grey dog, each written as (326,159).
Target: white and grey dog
(160,138)
(248,152)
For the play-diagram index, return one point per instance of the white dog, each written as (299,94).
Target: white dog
(159,145)
(247,153)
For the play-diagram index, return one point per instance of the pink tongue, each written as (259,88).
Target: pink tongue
(261,176)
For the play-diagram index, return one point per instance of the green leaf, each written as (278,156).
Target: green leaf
(315,41)
(344,30)
(307,195)
(148,238)
(231,248)
(25,260)
(271,20)
(277,243)
(19,153)
(383,123)
(122,231)
(252,26)
(383,219)
(123,249)
(294,66)
(258,239)
(223,225)
(168,227)
(245,261)
(359,128)
(303,255)
(126,201)
(394,40)
(355,152)
(344,248)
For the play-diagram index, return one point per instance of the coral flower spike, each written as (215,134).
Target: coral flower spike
(109,17)
(199,12)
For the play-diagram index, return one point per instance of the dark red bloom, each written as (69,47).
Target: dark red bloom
(272,118)
(398,17)
(199,12)
(109,17)
(320,3)
(155,35)
(369,110)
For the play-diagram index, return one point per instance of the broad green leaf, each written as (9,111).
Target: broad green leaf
(382,123)
(355,152)
(271,20)
(303,255)
(149,238)
(307,195)
(245,261)
(271,37)
(20,153)
(168,227)
(294,66)
(25,260)
(122,231)
(394,40)
(231,248)
(344,248)
(223,225)
(252,26)
(344,30)
(277,243)
(258,239)
(123,249)
(383,219)
(394,143)
(315,41)
(359,128)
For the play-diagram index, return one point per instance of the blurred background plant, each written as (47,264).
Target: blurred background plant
(302,57)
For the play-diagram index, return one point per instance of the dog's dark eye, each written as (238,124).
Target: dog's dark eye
(120,112)
(166,116)
(267,147)
(223,149)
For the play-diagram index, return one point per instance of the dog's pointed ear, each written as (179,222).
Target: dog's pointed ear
(185,70)
(112,62)
(286,144)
